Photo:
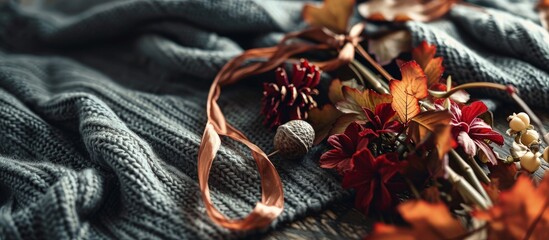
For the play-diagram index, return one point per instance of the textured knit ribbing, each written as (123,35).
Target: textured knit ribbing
(100,127)
(492,46)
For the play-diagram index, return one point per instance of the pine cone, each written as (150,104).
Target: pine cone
(290,100)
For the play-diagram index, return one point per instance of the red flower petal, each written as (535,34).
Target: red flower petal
(364,197)
(481,131)
(487,151)
(467,143)
(389,166)
(335,159)
(385,112)
(363,171)
(472,111)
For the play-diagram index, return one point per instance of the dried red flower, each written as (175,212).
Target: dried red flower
(382,120)
(290,99)
(345,146)
(471,132)
(370,178)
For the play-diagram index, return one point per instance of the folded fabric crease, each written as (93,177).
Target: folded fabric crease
(102,109)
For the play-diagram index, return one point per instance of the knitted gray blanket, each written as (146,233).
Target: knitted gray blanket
(102,109)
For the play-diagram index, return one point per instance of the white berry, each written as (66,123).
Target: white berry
(530,162)
(529,137)
(525,118)
(516,124)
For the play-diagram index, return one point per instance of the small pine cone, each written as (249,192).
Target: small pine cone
(290,99)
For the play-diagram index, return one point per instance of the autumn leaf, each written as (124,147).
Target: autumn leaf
(427,221)
(492,188)
(424,55)
(335,91)
(504,173)
(322,120)
(355,100)
(436,123)
(408,91)
(543,11)
(520,213)
(342,122)
(328,121)
(400,11)
(389,46)
(332,14)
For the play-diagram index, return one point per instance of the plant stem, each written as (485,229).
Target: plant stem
(478,170)
(376,65)
(465,189)
(357,73)
(412,188)
(470,175)
(377,84)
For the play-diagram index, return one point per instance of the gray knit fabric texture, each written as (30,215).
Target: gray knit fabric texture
(102,110)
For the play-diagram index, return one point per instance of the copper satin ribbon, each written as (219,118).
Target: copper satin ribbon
(272,196)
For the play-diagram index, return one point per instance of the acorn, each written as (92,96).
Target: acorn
(530,162)
(293,139)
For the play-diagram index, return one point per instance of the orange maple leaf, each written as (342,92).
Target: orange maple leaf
(424,55)
(427,221)
(408,91)
(427,123)
(520,213)
(332,14)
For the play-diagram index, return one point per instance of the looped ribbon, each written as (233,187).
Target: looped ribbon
(272,195)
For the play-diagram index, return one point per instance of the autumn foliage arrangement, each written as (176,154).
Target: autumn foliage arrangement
(414,147)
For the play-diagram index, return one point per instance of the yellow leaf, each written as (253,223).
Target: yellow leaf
(355,100)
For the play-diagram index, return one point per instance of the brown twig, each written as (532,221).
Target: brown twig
(373,62)
(373,80)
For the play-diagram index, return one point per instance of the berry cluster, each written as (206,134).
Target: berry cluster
(526,149)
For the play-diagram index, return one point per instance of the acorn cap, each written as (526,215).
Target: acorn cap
(294,139)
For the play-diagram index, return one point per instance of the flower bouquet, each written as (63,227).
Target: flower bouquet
(414,147)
